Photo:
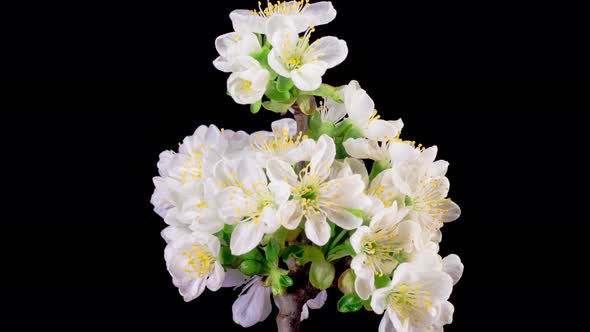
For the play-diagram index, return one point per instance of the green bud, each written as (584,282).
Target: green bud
(250,268)
(346,282)
(321,274)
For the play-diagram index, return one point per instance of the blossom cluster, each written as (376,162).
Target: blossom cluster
(240,206)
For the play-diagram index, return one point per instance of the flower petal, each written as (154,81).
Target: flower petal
(317,229)
(452,266)
(290,214)
(322,12)
(245,237)
(379,299)
(234,278)
(193,289)
(364,286)
(381,130)
(330,50)
(252,307)
(343,218)
(280,171)
(363,148)
(357,237)
(216,278)
(309,76)
(360,108)
(243,20)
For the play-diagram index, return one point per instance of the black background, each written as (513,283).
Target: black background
(81,246)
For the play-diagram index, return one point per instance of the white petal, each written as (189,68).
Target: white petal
(245,237)
(452,266)
(317,229)
(192,289)
(172,233)
(250,173)
(281,191)
(234,278)
(360,108)
(275,62)
(304,312)
(401,152)
(357,237)
(438,168)
(216,278)
(290,214)
(379,299)
(386,325)
(322,12)
(364,286)
(343,218)
(303,152)
(319,301)
(381,130)
(252,307)
(363,148)
(243,20)
(309,76)
(358,167)
(280,171)
(281,29)
(324,156)
(330,50)
(289,124)
(446,313)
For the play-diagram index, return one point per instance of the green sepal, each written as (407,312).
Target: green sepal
(327,91)
(275,95)
(378,167)
(284,84)
(294,251)
(250,267)
(321,274)
(253,255)
(255,108)
(382,281)
(278,107)
(350,303)
(225,256)
(271,251)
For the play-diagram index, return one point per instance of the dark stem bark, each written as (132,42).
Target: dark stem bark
(291,304)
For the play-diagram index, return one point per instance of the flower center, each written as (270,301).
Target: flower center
(199,261)
(294,56)
(280,8)
(280,142)
(383,250)
(192,168)
(308,194)
(386,196)
(247,85)
(409,301)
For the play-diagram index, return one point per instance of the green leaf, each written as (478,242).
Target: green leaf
(378,167)
(277,107)
(327,91)
(284,84)
(312,254)
(294,251)
(350,303)
(250,267)
(272,251)
(382,281)
(321,274)
(346,282)
(262,57)
(339,251)
(255,108)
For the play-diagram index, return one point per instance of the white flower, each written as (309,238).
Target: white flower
(254,304)
(232,46)
(423,182)
(249,203)
(363,148)
(192,261)
(293,57)
(416,300)
(283,143)
(302,13)
(383,192)
(248,83)
(195,207)
(381,247)
(316,197)
(361,112)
